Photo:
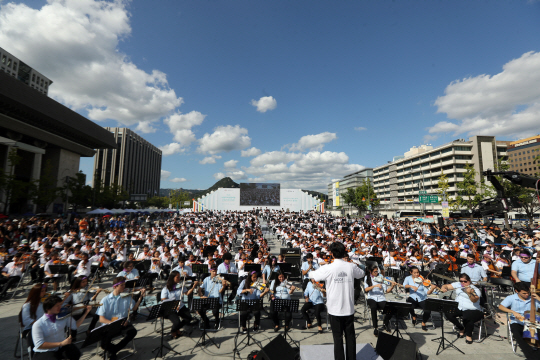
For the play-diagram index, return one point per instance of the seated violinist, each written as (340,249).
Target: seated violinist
(517,305)
(55,278)
(270,270)
(489,266)
(280,289)
(212,287)
(129,271)
(251,289)
(314,296)
(418,295)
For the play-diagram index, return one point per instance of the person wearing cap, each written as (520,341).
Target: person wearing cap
(475,271)
(523,269)
(114,307)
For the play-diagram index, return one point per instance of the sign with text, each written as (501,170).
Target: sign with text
(428,199)
(445,210)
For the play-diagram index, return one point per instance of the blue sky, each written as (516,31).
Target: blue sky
(339,85)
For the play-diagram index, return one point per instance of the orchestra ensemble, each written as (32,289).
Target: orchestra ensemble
(343,264)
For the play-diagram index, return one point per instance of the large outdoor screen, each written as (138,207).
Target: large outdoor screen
(259,194)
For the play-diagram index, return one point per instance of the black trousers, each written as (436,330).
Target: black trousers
(130,333)
(8,282)
(343,325)
(232,292)
(319,308)
(205,319)
(274,315)
(378,305)
(469,318)
(419,305)
(37,274)
(244,315)
(70,352)
(183,313)
(528,351)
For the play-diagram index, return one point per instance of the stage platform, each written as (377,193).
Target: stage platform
(325,352)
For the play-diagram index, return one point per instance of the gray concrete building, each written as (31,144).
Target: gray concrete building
(14,67)
(338,187)
(397,183)
(135,164)
(42,132)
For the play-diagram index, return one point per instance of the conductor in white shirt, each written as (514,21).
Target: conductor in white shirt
(339,278)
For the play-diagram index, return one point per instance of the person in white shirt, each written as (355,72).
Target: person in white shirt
(339,279)
(375,297)
(11,274)
(84,267)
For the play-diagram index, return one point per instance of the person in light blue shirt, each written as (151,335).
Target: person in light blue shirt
(468,298)
(307,266)
(129,272)
(32,309)
(251,289)
(516,305)
(271,269)
(314,296)
(212,287)
(175,290)
(476,272)
(417,295)
(115,307)
(48,333)
(523,269)
(281,289)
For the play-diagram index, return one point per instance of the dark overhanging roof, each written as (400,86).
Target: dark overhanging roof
(19,101)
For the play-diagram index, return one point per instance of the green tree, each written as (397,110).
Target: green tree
(158,201)
(80,194)
(470,193)
(44,191)
(442,189)
(14,190)
(177,198)
(361,196)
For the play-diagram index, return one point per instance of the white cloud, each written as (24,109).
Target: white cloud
(429,138)
(165,174)
(250,152)
(180,126)
(231,164)
(145,127)
(360,128)
(504,104)
(171,149)
(76,44)
(312,170)
(224,138)
(313,142)
(210,159)
(264,104)
(235,175)
(177,180)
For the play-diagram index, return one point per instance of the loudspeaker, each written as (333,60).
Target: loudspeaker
(394,348)
(440,219)
(277,349)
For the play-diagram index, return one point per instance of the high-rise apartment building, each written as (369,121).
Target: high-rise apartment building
(524,155)
(12,66)
(397,183)
(135,164)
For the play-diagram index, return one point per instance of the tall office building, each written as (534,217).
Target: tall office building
(135,164)
(523,155)
(397,183)
(12,66)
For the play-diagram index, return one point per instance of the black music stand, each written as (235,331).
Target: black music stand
(286,268)
(131,284)
(281,305)
(59,270)
(442,306)
(163,310)
(98,333)
(397,309)
(246,305)
(199,269)
(252,267)
(204,305)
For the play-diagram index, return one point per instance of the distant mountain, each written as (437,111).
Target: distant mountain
(228,183)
